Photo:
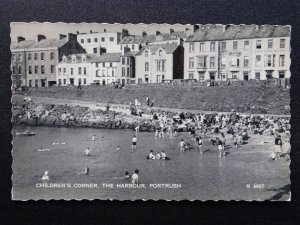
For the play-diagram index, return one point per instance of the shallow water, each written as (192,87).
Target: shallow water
(201,176)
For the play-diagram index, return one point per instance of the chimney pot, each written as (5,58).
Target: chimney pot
(41,37)
(20,38)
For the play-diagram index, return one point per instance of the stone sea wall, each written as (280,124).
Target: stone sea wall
(41,114)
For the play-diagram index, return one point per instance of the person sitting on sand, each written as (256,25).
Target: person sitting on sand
(163,155)
(151,155)
(135,177)
(45,176)
(86,171)
(87,151)
(158,156)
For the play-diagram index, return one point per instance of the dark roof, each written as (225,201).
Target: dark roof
(169,48)
(130,53)
(44,43)
(108,57)
(216,32)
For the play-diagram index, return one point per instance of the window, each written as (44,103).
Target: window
(163,66)
(223,46)
(19,58)
(42,69)
(246,45)
(201,75)
(212,62)
(223,62)
(160,53)
(246,75)
(65,81)
(64,71)
(103,64)
(146,66)
(51,55)
(79,80)
(281,74)
(88,40)
(146,53)
(94,50)
(103,39)
(258,44)
(64,59)
(13,57)
(191,63)
(35,56)
(191,76)
(14,70)
(42,55)
(30,83)
(83,58)
(281,60)
(112,73)
(234,75)
(269,60)
(282,43)
(202,62)
(29,56)
(234,62)
(128,71)
(111,39)
(270,43)
(123,61)
(72,71)
(123,71)
(192,47)
(79,70)
(36,68)
(246,61)
(30,69)
(59,81)
(235,45)
(52,69)
(213,46)
(84,70)
(201,47)
(269,74)
(223,75)
(132,47)
(257,75)
(36,83)
(95,39)
(128,62)
(258,61)
(158,66)
(110,65)
(82,40)
(84,80)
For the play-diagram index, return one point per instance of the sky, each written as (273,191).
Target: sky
(52,30)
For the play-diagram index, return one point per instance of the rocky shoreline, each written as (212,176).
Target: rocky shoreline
(41,114)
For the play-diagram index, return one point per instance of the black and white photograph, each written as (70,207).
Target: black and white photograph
(150,111)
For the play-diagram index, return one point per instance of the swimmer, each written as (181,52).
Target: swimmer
(118,147)
(93,138)
(87,151)
(134,140)
(163,155)
(135,177)
(181,145)
(102,138)
(45,176)
(125,177)
(43,150)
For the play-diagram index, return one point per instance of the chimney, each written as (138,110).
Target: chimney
(104,30)
(225,27)
(171,31)
(19,39)
(102,50)
(186,29)
(91,31)
(144,34)
(124,33)
(256,27)
(41,37)
(72,37)
(157,33)
(77,32)
(125,50)
(196,27)
(61,36)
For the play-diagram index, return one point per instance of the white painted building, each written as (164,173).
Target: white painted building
(93,41)
(155,63)
(238,52)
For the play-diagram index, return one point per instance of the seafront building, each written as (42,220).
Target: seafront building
(237,52)
(155,63)
(93,41)
(39,58)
